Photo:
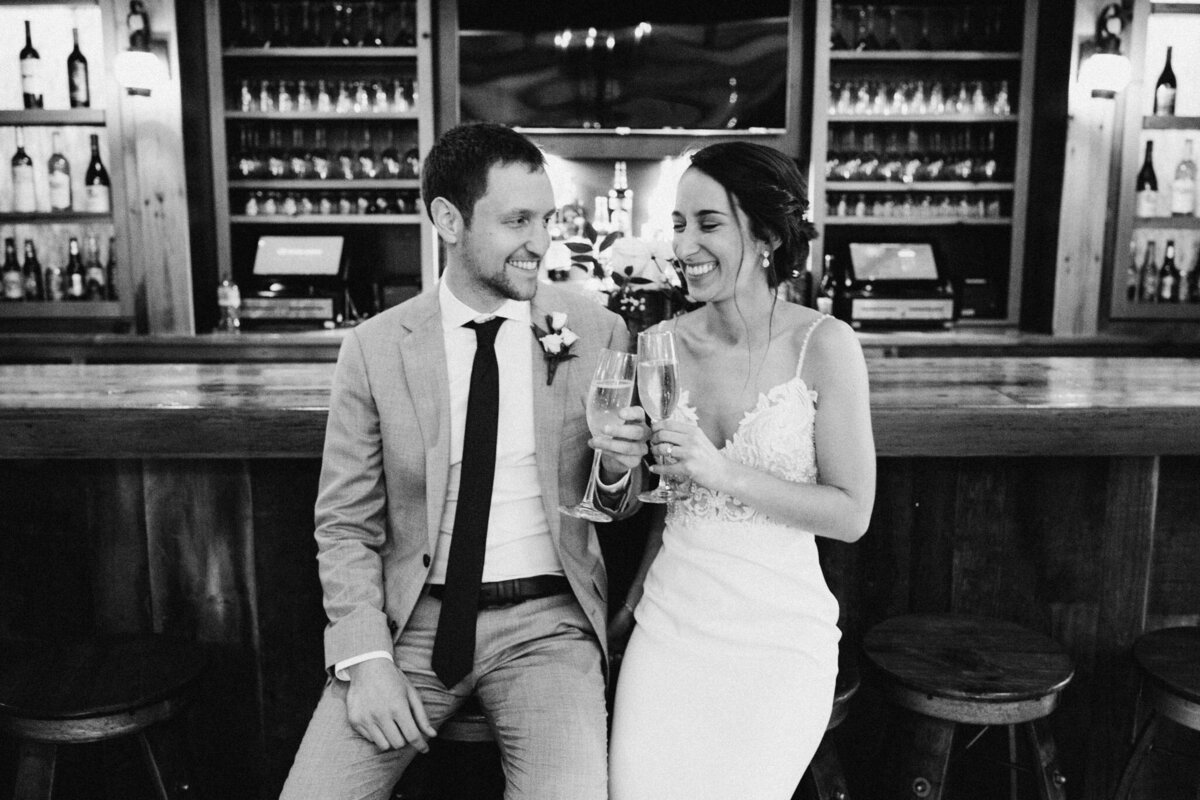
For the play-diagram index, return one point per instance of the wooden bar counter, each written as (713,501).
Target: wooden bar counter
(1060,493)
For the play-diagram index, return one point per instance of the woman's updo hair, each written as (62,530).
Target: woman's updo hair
(772,194)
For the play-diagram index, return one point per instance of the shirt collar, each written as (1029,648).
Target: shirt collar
(456,313)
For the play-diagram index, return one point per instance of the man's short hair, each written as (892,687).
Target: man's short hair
(458,164)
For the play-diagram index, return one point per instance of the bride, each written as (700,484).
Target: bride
(727,682)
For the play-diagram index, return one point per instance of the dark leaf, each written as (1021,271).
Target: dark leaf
(607,241)
(578,247)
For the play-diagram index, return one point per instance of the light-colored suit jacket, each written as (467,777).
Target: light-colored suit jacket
(386,465)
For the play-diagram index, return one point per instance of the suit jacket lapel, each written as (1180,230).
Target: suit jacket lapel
(548,405)
(423,351)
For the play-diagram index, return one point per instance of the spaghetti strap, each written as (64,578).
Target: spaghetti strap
(804,344)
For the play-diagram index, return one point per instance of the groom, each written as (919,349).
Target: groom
(453,436)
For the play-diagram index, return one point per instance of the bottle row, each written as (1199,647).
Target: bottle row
(927,27)
(1165,282)
(913,206)
(60,194)
(83,277)
(962,155)
(305,204)
(887,98)
(315,159)
(368,96)
(34,74)
(331,23)
(1182,198)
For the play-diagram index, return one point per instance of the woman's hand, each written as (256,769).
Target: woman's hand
(620,628)
(685,453)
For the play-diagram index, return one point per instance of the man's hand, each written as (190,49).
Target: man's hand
(622,447)
(383,706)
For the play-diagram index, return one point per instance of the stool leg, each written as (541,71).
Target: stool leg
(1049,777)
(1145,739)
(826,771)
(167,767)
(35,771)
(924,755)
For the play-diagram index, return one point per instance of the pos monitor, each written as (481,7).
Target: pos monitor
(297,280)
(896,285)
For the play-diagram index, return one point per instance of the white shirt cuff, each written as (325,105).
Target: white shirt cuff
(613,488)
(339,669)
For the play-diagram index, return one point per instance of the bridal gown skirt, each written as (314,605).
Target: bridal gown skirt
(727,683)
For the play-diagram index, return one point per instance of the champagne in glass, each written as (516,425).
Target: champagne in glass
(611,391)
(658,389)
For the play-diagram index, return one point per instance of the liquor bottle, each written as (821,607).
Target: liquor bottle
(1192,284)
(343,164)
(95,280)
(276,162)
(1183,188)
(1148,279)
(826,290)
(10,273)
(74,286)
(246,97)
(366,166)
(1164,90)
(31,272)
(1147,186)
(110,269)
(300,163)
(320,155)
(77,76)
(1168,276)
(97,190)
(390,159)
(31,72)
(59,170)
(24,198)
(229,300)
(620,201)
(1131,274)
(324,101)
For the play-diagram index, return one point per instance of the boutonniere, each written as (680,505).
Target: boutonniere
(556,342)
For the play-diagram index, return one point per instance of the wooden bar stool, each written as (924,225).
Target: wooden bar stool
(953,669)
(78,692)
(1169,661)
(824,778)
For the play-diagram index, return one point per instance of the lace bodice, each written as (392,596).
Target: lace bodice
(776,437)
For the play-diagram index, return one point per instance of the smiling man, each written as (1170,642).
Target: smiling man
(452,439)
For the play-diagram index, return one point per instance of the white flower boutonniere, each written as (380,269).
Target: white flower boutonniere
(556,342)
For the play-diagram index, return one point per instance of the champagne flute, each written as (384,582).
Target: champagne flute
(658,389)
(611,391)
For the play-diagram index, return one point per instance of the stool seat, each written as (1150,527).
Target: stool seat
(1170,659)
(468,724)
(969,669)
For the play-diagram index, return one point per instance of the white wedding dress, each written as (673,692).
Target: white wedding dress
(727,683)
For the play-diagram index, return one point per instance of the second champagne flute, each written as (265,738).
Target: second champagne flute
(611,391)
(658,389)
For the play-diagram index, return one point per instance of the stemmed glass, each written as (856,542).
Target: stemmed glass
(611,391)
(658,390)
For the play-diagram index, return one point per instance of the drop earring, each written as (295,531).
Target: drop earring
(766,262)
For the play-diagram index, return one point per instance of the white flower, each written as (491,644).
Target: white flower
(648,260)
(569,337)
(557,320)
(552,343)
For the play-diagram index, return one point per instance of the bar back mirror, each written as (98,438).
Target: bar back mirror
(618,65)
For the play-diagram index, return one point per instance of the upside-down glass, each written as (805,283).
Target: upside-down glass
(658,390)
(611,391)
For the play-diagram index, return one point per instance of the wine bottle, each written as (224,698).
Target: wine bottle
(73,278)
(366,166)
(97,189)
(276,162)
(77,76)
(826,290)
(110,269)
(1168,276)
(299,159)
(31,72)
(1148,281)
(24,197)
(320,155)
(10,273)
(1147,186)
(31,272)
(1131,274)
(620,201)
(1183,188)
(1193,279)
(95,280)
(390,158)
(59,170)
(1164,90)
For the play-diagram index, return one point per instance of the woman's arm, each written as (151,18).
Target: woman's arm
(839,505)
(621,624)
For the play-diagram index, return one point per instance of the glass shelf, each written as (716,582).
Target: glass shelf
(53,216)
(917,186)
(328,219)
(924,55)
(1189,223)
(320,116)
(942,119)
(342,53)
(52,116)
(289,184)
(1171,123)
(918,221)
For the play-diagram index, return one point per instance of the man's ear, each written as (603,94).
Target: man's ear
(447,220)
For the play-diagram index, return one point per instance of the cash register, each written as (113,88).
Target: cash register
(895,285)
(297,282)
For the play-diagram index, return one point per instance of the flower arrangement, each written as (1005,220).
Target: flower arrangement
(556,342)
(641,277)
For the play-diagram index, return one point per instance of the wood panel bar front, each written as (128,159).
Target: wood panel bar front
(1058,493)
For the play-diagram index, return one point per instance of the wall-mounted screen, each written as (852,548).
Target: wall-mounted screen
(624,64)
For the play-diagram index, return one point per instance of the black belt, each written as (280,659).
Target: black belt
(511,592)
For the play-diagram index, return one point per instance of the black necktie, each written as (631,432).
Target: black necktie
(454,645)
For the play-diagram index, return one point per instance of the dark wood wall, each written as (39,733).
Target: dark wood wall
(1091,551)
